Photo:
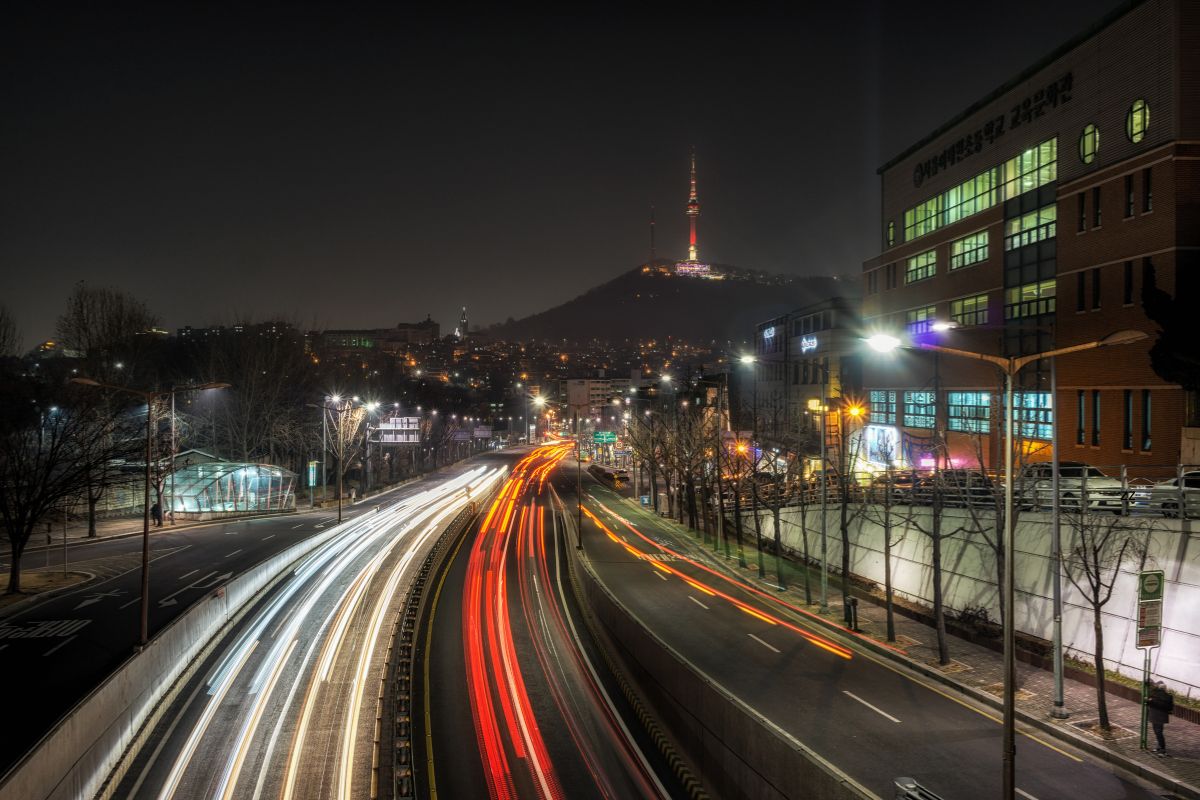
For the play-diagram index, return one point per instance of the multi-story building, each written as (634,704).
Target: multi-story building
(794,353)
(1035,219)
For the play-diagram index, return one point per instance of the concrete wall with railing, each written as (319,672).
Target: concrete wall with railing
(969,576)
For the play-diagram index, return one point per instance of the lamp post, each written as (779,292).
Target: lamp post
(749,361)
(150,397)
(1009,366)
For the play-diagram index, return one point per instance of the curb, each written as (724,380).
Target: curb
(1067,736)
(34,600)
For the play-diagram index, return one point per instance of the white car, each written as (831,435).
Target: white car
(1076,480)
(1167,496)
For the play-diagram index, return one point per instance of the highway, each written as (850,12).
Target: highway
(65,646)
(516,700)
(286,704)
(866,714)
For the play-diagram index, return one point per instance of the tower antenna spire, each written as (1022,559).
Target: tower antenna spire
(653,252)
(693,211)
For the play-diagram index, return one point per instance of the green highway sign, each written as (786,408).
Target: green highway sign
(604,437)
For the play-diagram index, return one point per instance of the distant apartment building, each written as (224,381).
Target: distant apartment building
(794,355)
(390,341)
(1035,219)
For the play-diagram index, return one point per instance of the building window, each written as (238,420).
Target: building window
(1146,419)
(1095,206)
(1096,417)
(1089,143)
(1128,295)
(1080,291)
(883,406)
(1079,417)
(891,276)
(1030,300)
(920,320)
(891,233)
(920,267)
(1147,192)
(1082,218)
(1030,228)
(1137,121)
(920,409)
(1035,167)
(969,250)
(969,197)
(1034,415)
(970,310)
(1128,196)
(922,219)
(1127,421)
(1096,289)
(969,412)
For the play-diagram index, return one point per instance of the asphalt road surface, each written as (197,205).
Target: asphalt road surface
(517,702)
(865,714)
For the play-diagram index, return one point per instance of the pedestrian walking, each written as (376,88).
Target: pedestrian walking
(156,515)
(1160,704)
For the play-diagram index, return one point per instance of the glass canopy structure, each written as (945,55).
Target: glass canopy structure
(230,487)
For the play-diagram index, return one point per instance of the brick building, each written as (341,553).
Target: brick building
(1033,220)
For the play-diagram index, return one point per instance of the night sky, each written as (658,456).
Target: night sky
(353,166)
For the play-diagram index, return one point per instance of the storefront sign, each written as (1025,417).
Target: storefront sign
(808,343)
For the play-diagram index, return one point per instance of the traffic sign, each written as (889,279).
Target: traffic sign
(1150,614)
(1148,637)
(1150,609)
(604,437)
(1150,585)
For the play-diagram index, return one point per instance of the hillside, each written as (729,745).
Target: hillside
(644,305)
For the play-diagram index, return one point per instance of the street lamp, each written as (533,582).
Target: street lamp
(149,397)
(1010,366)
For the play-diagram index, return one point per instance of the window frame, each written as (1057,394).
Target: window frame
(1137,120)
(1089,143)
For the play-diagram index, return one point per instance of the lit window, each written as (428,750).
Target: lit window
(1034,415)
(922,219)
(1137,121)
(1089,143)
(920,267)
(1036,167)
(969,197)
(883,406)
(1030,300)
(969,250)
(970,310)
(1030,228)
(969,412)
(891,233)
(921,319)
(919,409)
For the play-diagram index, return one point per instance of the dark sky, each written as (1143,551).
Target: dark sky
(356,165)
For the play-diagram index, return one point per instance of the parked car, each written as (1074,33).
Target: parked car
(1075,481)
(908,487)
(1168,497)
(966,487)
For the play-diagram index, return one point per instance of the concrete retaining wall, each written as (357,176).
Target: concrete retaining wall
(733,750)
(969,579)
(73,760)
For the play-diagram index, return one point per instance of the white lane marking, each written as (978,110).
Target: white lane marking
(301,525)
(231,533)
(659,574)
(697,602)
(1024,794)
(131,602)
(234,553)
(60,644)
(272,536)
(873,708)
(764,644)
(188,574)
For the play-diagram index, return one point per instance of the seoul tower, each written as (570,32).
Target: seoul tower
(693,211)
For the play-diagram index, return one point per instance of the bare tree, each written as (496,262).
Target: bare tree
(10,339)
(345,421)
(101,324)
(1103,544)
(891,518)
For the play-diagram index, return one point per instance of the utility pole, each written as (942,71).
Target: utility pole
(578,489)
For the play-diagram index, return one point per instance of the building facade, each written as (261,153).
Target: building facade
(1036,219)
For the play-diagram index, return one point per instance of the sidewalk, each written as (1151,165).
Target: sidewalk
(979,671)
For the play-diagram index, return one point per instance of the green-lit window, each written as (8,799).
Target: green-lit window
(1034,415)
(1089,143)
(922,219)
(970,197)
(1137,121)
(1030,300)
(1036,167)
(969,250)
(920,267)
(891,233)
(970,310)
(920,410)
(1029,228)
(969,412)
(883,406)
(920,320)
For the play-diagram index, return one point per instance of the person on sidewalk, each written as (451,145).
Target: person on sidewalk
(156,515)
(1160,704)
